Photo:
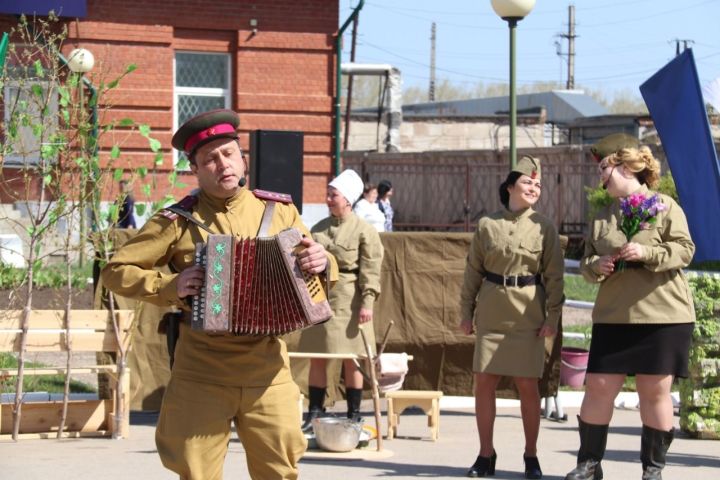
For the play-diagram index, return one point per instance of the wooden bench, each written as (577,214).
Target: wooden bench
(91,331)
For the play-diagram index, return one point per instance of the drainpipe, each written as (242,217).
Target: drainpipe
(338,82)
(3,49)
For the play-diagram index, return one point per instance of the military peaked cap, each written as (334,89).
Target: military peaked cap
(204,128)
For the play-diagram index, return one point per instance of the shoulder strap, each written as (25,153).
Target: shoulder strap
(266,219)
(272,196)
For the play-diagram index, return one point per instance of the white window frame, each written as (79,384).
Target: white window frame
(198,91)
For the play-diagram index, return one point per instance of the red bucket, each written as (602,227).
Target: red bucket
(573,364)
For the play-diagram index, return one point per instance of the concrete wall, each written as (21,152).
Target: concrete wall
(418,135)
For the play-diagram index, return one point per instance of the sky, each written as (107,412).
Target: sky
(619,44)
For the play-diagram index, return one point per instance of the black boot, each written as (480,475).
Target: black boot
(315,407)
(654,445)
(354,397)
(593,439)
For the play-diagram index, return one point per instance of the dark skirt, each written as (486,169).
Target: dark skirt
(649,349)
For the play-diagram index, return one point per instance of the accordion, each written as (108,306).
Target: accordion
(255,287)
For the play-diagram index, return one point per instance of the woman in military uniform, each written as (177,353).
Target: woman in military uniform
(357,248)
(643,315)
(512,297)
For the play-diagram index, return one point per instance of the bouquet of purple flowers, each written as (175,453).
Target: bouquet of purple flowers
(639,212)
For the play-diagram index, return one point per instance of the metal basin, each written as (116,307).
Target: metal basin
(336,434)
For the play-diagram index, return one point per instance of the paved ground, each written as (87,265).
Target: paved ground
(412,455)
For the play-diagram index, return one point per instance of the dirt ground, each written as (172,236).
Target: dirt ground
(46,299)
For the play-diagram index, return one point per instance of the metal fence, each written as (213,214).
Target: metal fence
(451,190)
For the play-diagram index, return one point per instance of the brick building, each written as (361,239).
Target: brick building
(271,61)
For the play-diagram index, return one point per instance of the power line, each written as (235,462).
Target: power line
(684,8)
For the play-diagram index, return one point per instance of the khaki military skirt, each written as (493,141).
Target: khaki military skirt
(340,334)
(507,320)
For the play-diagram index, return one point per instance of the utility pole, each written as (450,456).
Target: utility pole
(570,36)
(431,88)
(685,43)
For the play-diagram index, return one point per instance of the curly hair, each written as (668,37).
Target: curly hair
(639,161)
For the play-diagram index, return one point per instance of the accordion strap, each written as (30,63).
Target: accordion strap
(266,219)
(188,216)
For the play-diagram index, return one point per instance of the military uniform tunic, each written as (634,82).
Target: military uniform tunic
(356,246)
(507,319)
(226,360)
(656,293)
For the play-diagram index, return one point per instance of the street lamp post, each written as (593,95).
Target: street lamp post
(512,11)
(81,61)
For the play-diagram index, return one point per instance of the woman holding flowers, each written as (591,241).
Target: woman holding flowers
(643,315)
(512,297)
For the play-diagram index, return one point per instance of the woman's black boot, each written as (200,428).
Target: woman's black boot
(532,467)
(315,407)
(483,466)
(354,398)
(654,445)
(593,439)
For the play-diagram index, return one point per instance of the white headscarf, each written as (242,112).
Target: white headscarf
(349,184)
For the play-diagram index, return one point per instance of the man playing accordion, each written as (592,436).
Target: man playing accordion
(217,378)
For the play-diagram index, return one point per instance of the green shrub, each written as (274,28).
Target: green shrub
(52,276)
(700,393)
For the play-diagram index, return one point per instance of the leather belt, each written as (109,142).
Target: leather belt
(634,265)
(353,271)
(513,280)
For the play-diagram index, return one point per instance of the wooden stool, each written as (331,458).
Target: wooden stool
(427,400)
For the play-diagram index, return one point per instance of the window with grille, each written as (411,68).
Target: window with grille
(30,108)
(202,83)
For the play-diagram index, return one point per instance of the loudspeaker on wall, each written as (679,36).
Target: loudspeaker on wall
(276,162)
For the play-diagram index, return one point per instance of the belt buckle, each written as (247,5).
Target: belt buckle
(507,283)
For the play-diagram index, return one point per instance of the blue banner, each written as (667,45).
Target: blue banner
(62,8)
(674,99)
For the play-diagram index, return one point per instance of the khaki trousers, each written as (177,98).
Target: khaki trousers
(194,429)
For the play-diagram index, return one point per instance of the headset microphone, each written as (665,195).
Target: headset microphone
(242,182)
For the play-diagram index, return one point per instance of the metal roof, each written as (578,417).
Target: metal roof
(562,106)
